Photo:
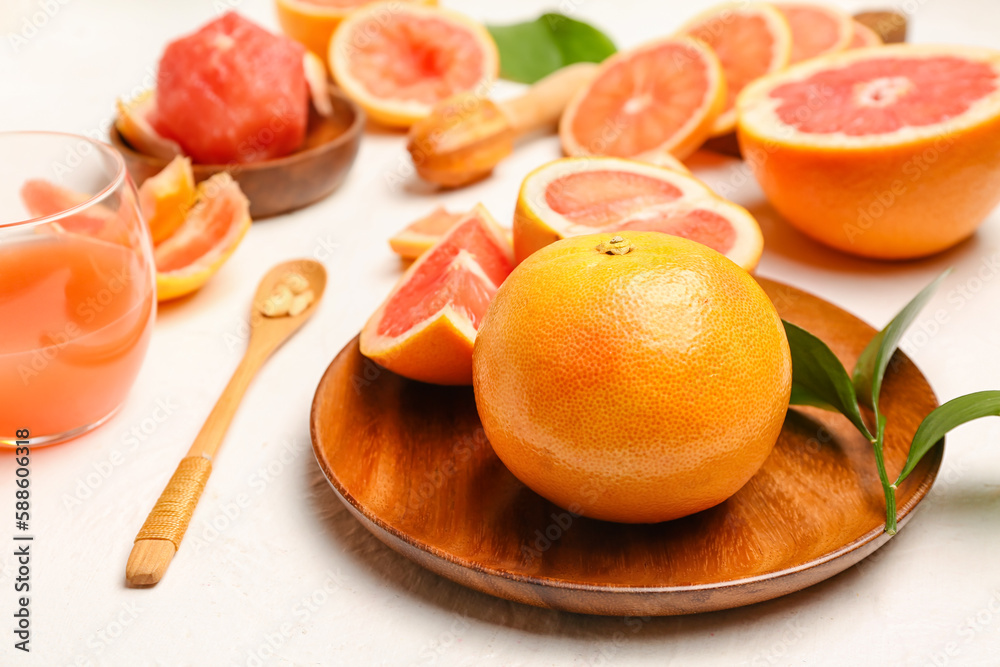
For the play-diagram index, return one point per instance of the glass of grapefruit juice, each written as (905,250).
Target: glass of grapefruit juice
(77,285)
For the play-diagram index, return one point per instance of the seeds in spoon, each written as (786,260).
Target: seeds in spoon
(278,303)
(290,297)
(300,302)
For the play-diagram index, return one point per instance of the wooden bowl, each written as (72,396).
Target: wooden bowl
(411,462)
(286,183)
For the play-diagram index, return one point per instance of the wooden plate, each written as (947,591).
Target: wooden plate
(410,460)
(286,183)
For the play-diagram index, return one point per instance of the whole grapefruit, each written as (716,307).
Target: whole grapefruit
(634,378)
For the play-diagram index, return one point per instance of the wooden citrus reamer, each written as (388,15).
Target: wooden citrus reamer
(467,135)
(161,534)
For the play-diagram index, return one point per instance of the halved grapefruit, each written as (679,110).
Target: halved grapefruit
(312,22)
(165,198)
(426,328)
(210,233)
(891,153)
(816,29)
(397,60)
(661,97)
(863,36)
(750,39)
(421,234)
(575,196)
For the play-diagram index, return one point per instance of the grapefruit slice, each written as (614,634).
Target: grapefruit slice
(575,196)
(751,40)
(889,153)
(398,60)
(663,97)
(863,36)
(210,233)
(312,22)
(816,29)
(420,235)
(232,92)
(426,328)
(165,198)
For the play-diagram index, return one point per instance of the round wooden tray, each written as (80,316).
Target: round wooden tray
(410,460)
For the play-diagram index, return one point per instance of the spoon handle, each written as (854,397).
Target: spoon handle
(160,536)
(212,432)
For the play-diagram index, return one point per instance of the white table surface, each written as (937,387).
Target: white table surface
(275,571)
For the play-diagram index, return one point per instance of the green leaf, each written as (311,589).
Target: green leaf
(819,379)
(533,50)
(946,417)
(870,367)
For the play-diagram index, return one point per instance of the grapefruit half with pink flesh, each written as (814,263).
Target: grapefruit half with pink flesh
(232,92)
(661,97)
(397,60)
(426,328)
(575,196)
(891,152)
(751,40)
(816,29)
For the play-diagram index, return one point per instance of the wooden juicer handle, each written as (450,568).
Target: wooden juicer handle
(467,135)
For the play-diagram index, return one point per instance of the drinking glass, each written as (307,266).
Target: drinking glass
(77,285)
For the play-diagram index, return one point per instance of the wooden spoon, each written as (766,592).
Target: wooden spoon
(161,534)
(467,135)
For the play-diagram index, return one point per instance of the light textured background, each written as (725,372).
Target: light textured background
(274,571)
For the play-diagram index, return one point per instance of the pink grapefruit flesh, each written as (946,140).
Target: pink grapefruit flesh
(598,198)
(397,60)
(463,271)
(232,92)
(883,95)
(664,96)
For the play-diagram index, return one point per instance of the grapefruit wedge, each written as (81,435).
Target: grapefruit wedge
(890,153)
(750,39)
(165,198)
(575,196)
(397,60)
(661,97)
(426,328)
(421,234)
(210,233)
(816,29)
